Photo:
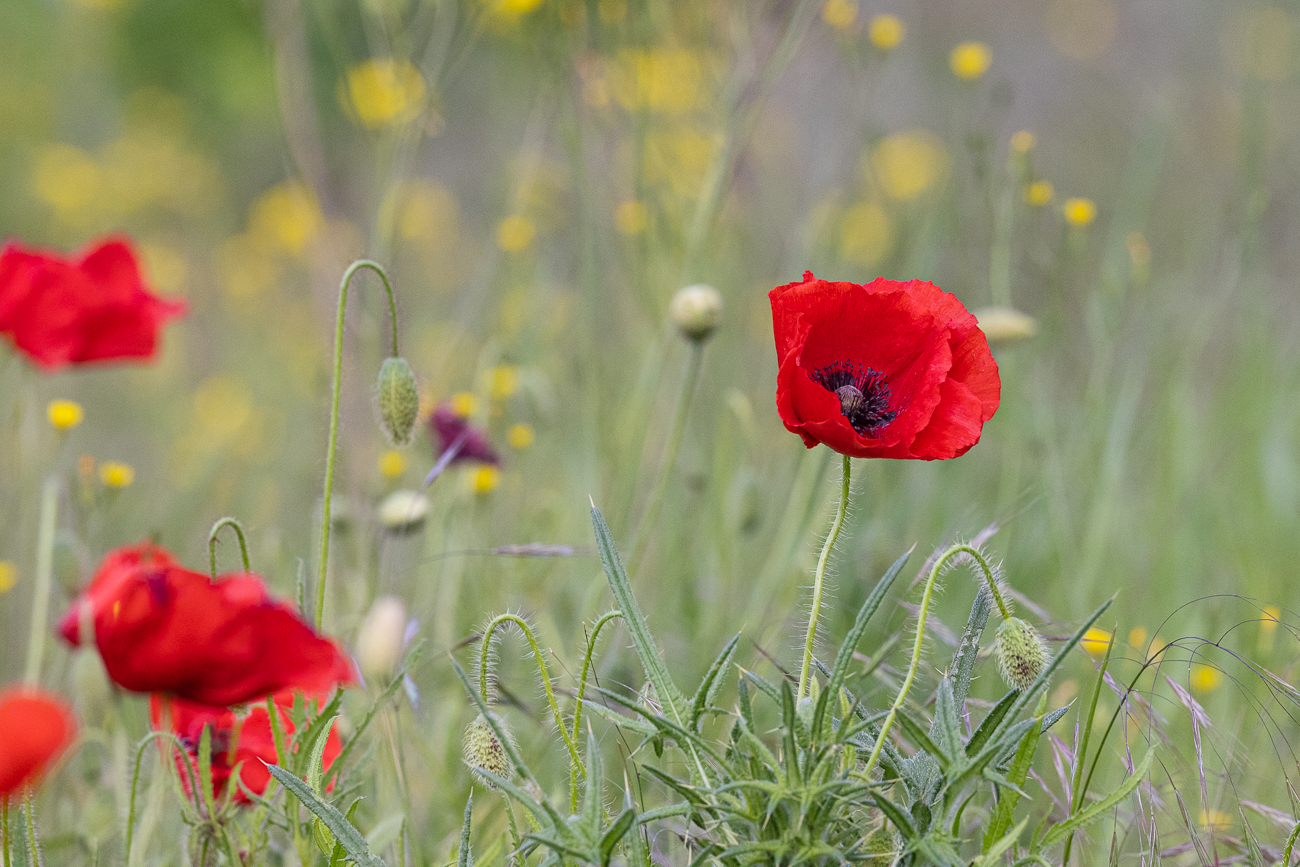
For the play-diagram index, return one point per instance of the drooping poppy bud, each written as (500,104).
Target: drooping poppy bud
(483,750)
(35,728)
(1021,653)
(399,399)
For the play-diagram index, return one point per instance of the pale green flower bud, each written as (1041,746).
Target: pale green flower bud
(379,645)
(696,311)
(1021,653)
(403,511)
(483,750)
(399,399)
(1005,325)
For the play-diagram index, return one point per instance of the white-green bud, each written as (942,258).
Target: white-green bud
(1005,325)
(379,644)
(399,400)
(696,311)
(483,750)
(403,511)
(1021,653)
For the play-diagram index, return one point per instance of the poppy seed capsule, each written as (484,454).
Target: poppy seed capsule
(482,749)
(1021,653)
(399,399)
(696,311)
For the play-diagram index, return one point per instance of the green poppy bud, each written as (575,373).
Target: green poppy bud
(379,644)
(403,511)
(1021,653)
(399,400)
(484,751)
(696,311)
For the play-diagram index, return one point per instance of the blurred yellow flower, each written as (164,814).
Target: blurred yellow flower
(840,14)
(669,80)
(1215,820)
(1095,641)
(612,11)
(166,268)
(245,267)
(515,233)
(1079,211)
(886,32)
(116,475)
(521,435)
(8,576)
(970,60)
(503,381)
(511,9)
(1268,623)
(66,178)
(385,92)
(908,164)
(631,218)
(427,211)
(1039,193)
(866,234)
(1205,678)
(1137,637)
(464,404)
(286,216)
(679,157)
(1023,141)
(484,479)
(64,414)
(392,464)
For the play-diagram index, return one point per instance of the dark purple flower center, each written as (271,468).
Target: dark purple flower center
(863,394)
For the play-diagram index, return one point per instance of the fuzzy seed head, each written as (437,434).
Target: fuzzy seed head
(696,311)
(399,400)
(483,750)
(1021,653)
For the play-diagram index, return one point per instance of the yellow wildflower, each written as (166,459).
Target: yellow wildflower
(1205,678)
(866,234)
(503,381)
(1023,141)
(385,92)
(1039,193)
(515,233)
(287,217)
(840,14)
(970,60)
(116,475)
(64,414)
(1216,820)
(631,218)
(1137,637)
(464,404)
(1079,211)
(886,31)
(8,576)
(908,164)
(392,464)
(1095,641)
(484,479)
(521,435)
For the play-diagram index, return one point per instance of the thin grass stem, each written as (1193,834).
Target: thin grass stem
(44,578)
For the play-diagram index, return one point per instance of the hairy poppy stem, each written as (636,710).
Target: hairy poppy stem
(334,414)
(33,842)
(44,578)
(819,579)
(582,692)
(4,830)
(915,665)
(234,524)
(641,539)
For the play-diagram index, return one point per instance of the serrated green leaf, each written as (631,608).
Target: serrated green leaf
(1052,718)
(464,858)
(912,729)
(901,820)
(992,856)
(344,833)
(306,736)
(962,667)
(712,682)
(593,800)
(615,834)
(205,770)
(947,724)
(1095,811)
(990,722)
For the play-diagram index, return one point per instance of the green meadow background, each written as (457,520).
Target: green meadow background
(539,177)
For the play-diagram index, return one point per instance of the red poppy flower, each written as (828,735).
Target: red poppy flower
(885,370)
(96,308)
(458,441)
(162,628)
(35,728)
(234,740)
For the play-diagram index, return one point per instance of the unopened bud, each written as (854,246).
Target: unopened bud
(880,846)
(379,645)
(1021,653)
(403,511)
(696,311)
(484,751)
(399,399)
(1005,325)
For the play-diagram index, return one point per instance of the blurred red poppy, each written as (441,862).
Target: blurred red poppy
(249,740)
(94,308)
(882,370)
(458,440)
(162,628)
(35,729)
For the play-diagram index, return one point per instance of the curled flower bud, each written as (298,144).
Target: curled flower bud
(1021,653)
(399,399)
(403,511)
(482,749)
(696,311)
(379,645)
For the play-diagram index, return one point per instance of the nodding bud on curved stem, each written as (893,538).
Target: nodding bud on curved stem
(1021,653)
(399,400)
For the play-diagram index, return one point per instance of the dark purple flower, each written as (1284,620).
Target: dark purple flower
(458,440)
